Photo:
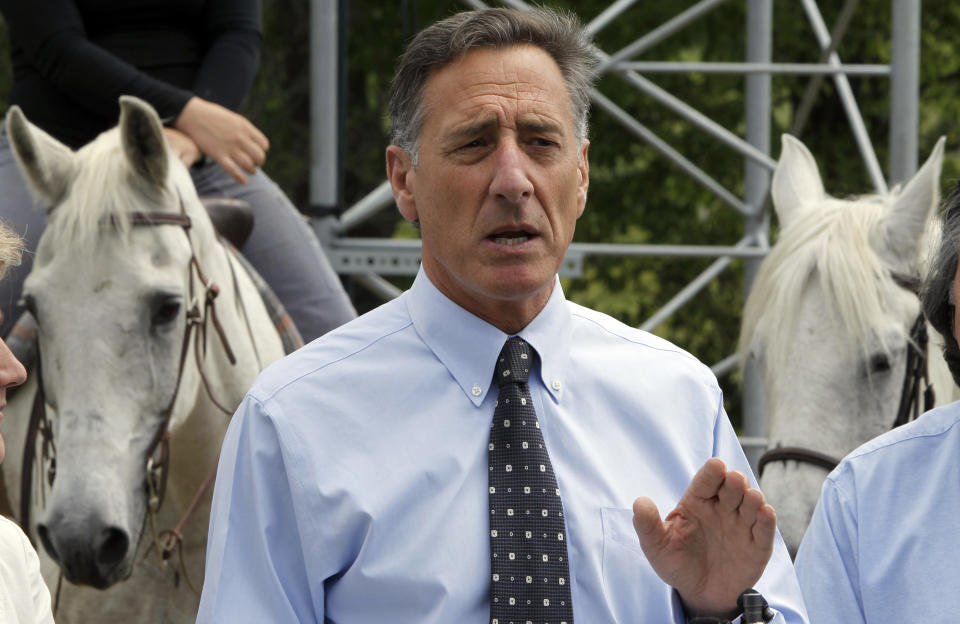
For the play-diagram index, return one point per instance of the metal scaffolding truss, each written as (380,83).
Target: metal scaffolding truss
(370,259)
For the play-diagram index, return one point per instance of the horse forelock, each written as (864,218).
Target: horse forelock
(104,193)
(833,245)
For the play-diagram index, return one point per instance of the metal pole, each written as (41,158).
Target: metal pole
(904,89)
(660,33)
(757,182)
(698,283)
(802,115)
(609,14)
(372,203)
(697,118)
(847,99)
(706,67)
(664,148)
(324,116)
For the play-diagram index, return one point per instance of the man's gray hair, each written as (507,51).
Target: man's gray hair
(557,33)
(937,292)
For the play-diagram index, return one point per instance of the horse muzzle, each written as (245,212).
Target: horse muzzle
(89,551)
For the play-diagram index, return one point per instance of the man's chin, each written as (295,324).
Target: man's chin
(521,284)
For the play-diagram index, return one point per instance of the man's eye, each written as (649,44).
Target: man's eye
(541,142)
(472,144)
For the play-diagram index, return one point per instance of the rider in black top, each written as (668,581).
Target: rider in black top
(72,59)
(194,61)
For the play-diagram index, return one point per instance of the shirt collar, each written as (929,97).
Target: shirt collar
(468,346)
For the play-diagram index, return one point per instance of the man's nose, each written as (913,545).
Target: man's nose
(511,180)
(12,372)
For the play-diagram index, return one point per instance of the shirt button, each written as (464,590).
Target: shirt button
(477,390)
(556,384)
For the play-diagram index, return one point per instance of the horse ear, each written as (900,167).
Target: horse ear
(796,180)
(907,216)
(48,165)
(141,135)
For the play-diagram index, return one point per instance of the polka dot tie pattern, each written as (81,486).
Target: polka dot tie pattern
(530,581)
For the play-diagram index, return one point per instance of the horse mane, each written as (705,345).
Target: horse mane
(105,190)
(827,241)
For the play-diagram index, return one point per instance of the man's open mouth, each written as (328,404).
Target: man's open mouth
(511,238)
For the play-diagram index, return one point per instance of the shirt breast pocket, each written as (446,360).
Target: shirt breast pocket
(621,547)
(630,585)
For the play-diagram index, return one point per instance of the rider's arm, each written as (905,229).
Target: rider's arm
(232,31)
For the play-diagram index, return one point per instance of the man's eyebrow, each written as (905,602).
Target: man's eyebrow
(540,127)
(470,130)
(479,127)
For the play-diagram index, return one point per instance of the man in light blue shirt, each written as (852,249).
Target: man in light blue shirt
(882,545)
(353,483)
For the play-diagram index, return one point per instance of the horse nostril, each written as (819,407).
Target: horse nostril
(112,547)
(44,534)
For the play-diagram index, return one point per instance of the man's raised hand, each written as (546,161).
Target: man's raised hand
(714,544)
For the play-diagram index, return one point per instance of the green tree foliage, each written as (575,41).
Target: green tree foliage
(636,195)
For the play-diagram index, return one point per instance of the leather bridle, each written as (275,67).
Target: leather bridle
(916,378)
(157,459)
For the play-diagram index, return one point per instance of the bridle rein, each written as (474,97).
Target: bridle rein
(916,378)
(157,462)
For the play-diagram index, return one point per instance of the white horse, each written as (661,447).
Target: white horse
(122,288)
(829,320)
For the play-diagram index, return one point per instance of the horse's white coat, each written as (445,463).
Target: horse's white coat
(828,325)
(110,361)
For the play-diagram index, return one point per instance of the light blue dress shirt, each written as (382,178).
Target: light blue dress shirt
(884,541)
(353,479)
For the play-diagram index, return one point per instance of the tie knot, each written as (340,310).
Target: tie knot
(513,365)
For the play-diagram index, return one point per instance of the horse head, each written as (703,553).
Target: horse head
(829,319)
(114,304)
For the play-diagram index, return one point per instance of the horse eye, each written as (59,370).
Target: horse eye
(165,311)
(879,363)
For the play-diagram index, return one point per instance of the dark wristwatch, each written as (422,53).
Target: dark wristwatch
(751,605)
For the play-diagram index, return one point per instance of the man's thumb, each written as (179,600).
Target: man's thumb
(646,521)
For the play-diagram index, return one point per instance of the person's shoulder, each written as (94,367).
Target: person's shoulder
(938,423)
(604,330)
(12,537)
(374,334)
(922,442)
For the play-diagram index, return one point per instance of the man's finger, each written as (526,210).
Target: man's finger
(706,483)
(731,492)
(752,501)
(765,526)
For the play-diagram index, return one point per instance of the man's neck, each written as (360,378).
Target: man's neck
(508,315)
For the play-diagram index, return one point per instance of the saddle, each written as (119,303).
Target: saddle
(232,218)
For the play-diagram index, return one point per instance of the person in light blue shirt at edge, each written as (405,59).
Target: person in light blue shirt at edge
(352,485)
(882,545)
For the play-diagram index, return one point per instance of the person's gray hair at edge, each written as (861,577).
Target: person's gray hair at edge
(937,291)
(559,33)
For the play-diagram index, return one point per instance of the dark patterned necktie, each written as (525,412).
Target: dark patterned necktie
(528,541)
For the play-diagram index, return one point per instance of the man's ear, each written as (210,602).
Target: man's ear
(583,182)
(399,172)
